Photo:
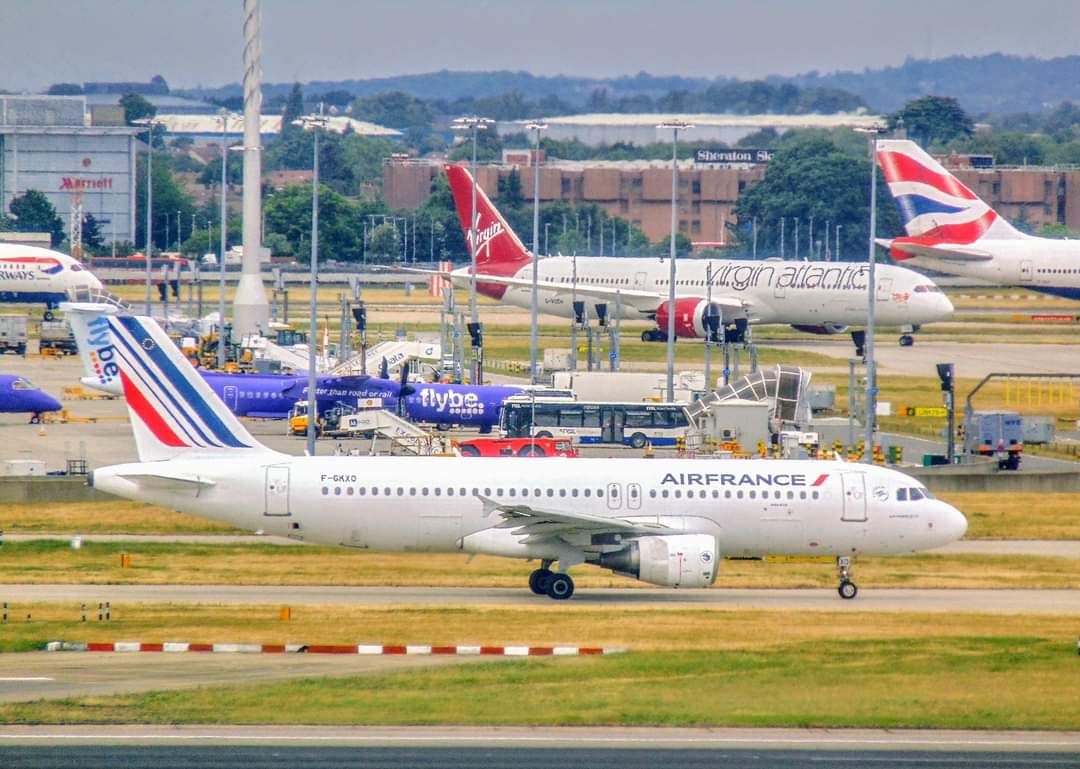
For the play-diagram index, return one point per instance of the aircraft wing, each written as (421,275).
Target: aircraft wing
(537,524)
(949,252)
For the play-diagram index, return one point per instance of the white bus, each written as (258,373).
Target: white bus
(589,422)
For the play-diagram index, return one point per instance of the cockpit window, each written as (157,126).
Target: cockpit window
(927,289)
(76,268)
(916,495)
(926,493)
(901,495)
(22,384)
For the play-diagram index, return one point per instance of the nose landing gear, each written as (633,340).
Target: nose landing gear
(847,588)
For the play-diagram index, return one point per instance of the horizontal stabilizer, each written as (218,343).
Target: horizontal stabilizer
(167,480)
(902,248)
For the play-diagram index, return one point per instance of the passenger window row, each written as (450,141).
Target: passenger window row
(461,491)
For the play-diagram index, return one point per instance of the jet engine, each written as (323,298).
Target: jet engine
(693,317)
(675,560)
(824,328)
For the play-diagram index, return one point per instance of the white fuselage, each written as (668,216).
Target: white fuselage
(751,507)
(39,275)
(772,291)
(1043,264)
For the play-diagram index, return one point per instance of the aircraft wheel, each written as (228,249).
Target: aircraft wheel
(35,419)
(907,340)
(443,427)
(560,586)
(847,590)
(538,581)
(49,315)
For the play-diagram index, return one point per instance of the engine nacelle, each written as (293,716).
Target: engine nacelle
(824,328)
(690,317)
(675,560)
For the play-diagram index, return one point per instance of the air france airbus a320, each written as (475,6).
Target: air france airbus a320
(663,521)
(816,297)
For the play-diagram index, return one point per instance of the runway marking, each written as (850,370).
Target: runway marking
(25,678)
(561,738)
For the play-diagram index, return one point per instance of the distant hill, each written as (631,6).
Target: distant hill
(455,85)
(995,83)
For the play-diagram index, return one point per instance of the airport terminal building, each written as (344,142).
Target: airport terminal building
(52,144)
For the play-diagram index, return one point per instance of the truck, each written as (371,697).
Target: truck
(13,334)
(997,435)
(56,336)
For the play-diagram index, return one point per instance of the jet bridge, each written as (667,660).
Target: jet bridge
(784,388)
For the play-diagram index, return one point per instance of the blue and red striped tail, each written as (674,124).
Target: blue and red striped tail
(936,206)
(173,410)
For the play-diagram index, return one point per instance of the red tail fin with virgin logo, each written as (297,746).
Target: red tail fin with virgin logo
(499,251)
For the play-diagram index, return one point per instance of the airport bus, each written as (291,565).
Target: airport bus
(594,422)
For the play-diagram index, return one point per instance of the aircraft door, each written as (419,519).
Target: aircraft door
(1026,273)
(230,396)
(633,496)
(854,502)
(639,279)
(277,491)
(884,289)
(614,496)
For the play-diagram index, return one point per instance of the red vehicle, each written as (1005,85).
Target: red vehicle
(517,447)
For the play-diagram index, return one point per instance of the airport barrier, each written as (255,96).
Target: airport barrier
(954,478)
(49,488)
(361,649)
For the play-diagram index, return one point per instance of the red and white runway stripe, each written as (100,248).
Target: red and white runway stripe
(365,649)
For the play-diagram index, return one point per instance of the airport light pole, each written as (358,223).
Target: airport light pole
(316,123)
(675,126)
(536,128)
(871,299)
(150,125)
(224,114)
(473,124)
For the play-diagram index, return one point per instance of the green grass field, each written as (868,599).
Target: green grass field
(696,667)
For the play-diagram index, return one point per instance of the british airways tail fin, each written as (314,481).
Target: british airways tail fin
(937,208)
(497,246)
(173,410)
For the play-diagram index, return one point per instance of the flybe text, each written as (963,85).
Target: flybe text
(743,479)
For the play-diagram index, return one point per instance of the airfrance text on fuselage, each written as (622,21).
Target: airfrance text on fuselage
(743,479)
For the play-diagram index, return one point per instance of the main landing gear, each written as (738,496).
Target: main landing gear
(557,585)
(847,588)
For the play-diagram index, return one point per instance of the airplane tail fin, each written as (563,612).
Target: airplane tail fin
(497,245)
(936,206)
(90,326)
(173,410)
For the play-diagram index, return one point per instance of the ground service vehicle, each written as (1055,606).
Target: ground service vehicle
(517,447)
(13,334)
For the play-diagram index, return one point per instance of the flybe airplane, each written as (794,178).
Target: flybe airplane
(666,522)
(816,297)
(18,396)
(951,230)
(272,396)
(31,275)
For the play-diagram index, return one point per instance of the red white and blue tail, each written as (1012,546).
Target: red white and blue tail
(173,410)
(936,207)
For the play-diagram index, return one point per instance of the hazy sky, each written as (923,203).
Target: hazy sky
(192,42)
